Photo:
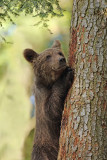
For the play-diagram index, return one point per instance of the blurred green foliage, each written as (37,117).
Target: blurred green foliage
(40,8)
(28,145)
(16,78)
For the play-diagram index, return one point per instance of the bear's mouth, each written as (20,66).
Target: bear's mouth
(59,68)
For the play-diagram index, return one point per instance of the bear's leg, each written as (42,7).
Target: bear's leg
(44,153)
(55,102)
(37,153)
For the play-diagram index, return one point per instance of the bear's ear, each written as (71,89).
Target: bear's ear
(56,44)
(29,55)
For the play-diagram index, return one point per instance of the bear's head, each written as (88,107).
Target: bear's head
(48,65)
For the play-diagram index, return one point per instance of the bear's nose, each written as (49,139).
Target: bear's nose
(62,60)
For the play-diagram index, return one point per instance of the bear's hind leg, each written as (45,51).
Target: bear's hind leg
(44,153)
(37,153)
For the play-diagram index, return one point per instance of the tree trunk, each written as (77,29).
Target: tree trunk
(84,123)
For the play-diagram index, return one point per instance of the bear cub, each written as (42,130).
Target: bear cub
(53,78)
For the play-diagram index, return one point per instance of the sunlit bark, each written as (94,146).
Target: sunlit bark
(84,122)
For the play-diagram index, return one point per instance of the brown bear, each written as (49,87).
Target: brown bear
(53,79)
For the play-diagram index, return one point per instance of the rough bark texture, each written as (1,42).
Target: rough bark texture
(84,123)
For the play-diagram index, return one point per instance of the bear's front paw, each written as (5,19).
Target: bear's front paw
(70,75)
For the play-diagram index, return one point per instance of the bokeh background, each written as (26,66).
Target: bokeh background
(16,78)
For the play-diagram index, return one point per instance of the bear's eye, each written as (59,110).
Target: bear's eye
(48,57)
(60,53)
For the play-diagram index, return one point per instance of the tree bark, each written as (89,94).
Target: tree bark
(84,123)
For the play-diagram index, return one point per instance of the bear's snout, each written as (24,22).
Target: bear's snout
(62,61)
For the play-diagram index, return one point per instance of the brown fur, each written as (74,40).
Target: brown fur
(53,79)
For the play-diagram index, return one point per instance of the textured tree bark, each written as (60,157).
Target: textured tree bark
(84,123)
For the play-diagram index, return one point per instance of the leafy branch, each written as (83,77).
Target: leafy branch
(37,8)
